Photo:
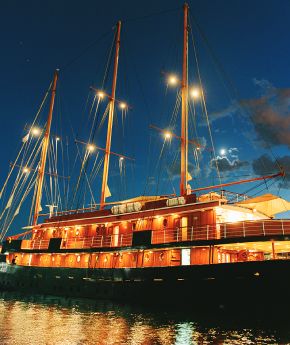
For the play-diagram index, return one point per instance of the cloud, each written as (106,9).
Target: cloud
(269,114)
(229,162)
(174,170)
(225,164)
(227,112)
(264,165)
(233,152)
(264,84)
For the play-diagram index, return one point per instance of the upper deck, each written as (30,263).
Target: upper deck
(239,232)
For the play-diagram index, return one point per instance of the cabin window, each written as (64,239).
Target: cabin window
(185,256)
(133,226)
(165,222)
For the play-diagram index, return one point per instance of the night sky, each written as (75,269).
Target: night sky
(244,63)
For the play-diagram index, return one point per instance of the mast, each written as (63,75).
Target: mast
(45,145)
(110,119)
(184,106)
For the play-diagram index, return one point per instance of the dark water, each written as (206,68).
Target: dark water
(38,320)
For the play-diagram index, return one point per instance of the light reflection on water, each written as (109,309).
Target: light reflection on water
(58,321)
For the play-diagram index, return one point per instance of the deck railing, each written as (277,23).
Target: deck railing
(169,235)
(34,244)
(98,241)
(221,231)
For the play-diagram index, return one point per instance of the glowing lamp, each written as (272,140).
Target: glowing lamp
(101,94)
(26,170)
(167,135)
(35,131)
(123,105)
(121,158)
(91,148)
(223,152)
(172,80)
(195,92)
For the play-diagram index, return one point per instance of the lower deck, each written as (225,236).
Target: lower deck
(186,254)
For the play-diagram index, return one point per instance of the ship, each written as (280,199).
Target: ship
(191,248)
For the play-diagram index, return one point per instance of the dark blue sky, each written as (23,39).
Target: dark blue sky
(249,39)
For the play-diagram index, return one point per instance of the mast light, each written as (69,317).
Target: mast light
(26,170)
(172,80)
(195,92)
(35,131)
(101,94)
(167,135)
(91,147)
(123,105)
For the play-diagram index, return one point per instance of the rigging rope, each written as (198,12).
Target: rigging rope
(204,104)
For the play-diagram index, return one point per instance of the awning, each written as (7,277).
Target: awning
(143,198)
(267,204)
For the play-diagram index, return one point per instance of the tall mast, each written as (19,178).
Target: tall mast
(110,119)
(45,144)
(184,106)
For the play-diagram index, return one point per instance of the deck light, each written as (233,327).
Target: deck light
(26,170)
(57,138)
(223,152)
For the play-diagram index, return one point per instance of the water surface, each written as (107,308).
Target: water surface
(39,320)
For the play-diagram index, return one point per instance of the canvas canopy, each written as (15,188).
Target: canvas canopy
(267,204)
(144,198)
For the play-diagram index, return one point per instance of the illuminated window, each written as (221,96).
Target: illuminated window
(185,256)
